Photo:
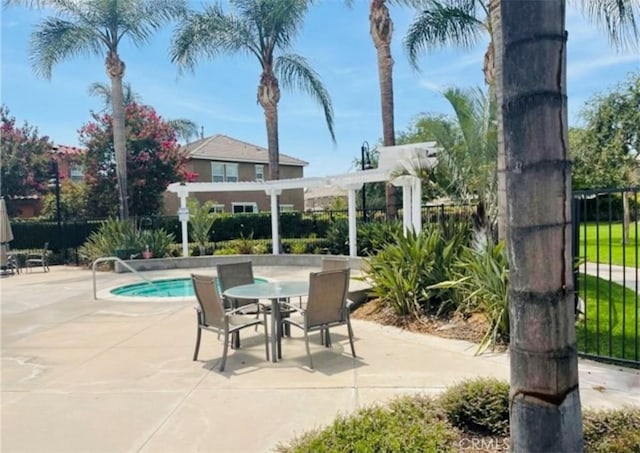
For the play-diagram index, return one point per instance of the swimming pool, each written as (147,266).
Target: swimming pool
(172,287)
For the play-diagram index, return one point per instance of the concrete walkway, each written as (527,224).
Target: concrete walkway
(622,275)
(80,375)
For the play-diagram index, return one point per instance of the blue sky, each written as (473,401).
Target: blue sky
(221,95)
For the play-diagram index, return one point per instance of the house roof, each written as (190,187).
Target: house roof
(68,150)
(221,147)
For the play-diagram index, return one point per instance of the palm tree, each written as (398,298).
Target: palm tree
(103,91)
(462,23)
(96,27)
(545,412)
(264,29)
(185,129)
(381,29)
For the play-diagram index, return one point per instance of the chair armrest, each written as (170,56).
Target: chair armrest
(292,307)
(243,308)
(31,256)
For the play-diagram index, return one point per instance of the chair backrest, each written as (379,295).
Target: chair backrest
(210,304)
(327,297)
(235,274)
(334,263)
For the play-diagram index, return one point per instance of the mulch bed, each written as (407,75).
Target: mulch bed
(471,328)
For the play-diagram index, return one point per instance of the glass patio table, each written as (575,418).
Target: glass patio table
(274,291)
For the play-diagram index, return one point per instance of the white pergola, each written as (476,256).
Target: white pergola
(396,164)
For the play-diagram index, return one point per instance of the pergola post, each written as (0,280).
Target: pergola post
(183,216)
(416,204)
(275,233)
(351,206)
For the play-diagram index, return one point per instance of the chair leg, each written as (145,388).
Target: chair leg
(353,350)
(266,338)
(198,335)
(306,343)
(225,349)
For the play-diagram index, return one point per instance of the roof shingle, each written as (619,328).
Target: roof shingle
(224,148)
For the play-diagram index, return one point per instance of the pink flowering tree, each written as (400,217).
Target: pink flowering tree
(24,163)
(154,160)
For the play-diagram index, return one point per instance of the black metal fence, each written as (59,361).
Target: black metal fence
(606,274)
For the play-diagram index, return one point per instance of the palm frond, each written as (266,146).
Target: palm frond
(56,39)
(438,25)
(294,72)
(211,33)
(103,91)
(138,20)
(619,18)
(278,21)
(184,128)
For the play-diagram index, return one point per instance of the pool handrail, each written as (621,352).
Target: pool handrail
(105,259)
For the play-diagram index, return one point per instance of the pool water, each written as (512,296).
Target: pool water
(174,287)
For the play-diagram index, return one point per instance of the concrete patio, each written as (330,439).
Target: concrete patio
(80,375)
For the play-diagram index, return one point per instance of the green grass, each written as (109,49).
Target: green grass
(595,238)
(614,310)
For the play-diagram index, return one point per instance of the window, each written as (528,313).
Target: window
(76,173)
(286,208)
(260,173)
(217,208)
(222,172)
(239,208)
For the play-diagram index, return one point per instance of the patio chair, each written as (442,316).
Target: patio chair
(330,263)
(212,316)
(235,274)
(38,259)
(326,307)
(8,263)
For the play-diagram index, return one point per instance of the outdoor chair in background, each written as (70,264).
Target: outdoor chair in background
(38,259)
(8,263)
(211,315)
(326,307)
(235,274)
(330,263)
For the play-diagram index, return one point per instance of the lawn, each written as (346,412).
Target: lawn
(615,310)
(609,238)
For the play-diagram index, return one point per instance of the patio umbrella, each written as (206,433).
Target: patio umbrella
(6,235)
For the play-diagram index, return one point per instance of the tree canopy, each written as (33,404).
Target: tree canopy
(24,164)
(605,150)
(154,160)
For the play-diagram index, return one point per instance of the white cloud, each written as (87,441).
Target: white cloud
(584,67)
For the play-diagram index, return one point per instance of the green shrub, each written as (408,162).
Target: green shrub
(612,431)
(158,241)
(200,222)
(338,237)
(227,251)
(409,424)
(481,279)
(374,236)
(480,406)
(115,237)
(404,271)
(299,248)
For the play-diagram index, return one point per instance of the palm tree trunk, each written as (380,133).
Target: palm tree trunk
(115,71)
(496,72)
(268,98)
(545,399)
(381,28)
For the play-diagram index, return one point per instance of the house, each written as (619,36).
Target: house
(68,160)
(220,158)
